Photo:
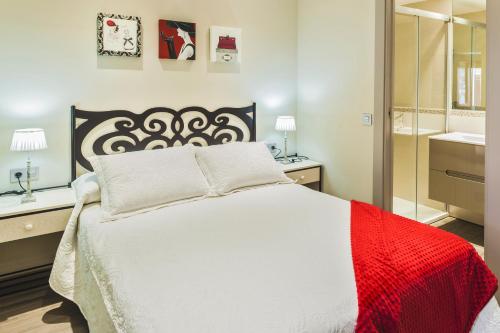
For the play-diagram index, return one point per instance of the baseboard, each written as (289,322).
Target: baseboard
(466,215)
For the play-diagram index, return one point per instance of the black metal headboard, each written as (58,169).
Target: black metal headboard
(118,131)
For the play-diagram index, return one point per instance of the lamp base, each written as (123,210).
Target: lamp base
(286,161)
(27,199)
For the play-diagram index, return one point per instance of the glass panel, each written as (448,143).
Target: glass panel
(404,118)
(431,112)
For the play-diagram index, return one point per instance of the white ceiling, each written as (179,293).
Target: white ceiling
(459,6)
(468,6)
(405,2)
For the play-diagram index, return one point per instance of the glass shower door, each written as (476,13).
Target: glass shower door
(419,111)
(432,108)
(405,107)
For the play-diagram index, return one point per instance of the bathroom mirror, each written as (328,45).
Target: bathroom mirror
(469,55)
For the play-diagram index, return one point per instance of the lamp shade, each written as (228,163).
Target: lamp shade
(28,139)
(285,123)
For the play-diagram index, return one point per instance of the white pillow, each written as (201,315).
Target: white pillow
(86,188)
(234,166)
(132,182)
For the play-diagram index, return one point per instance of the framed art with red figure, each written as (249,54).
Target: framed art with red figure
(177,40)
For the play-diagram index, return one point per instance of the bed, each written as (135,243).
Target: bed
(275,258)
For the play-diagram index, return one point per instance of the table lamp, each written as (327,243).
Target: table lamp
(28,140)
(285,124)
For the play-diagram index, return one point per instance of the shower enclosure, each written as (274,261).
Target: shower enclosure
(439,68)
(421,100)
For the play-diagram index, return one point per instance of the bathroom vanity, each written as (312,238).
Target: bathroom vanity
(456,174)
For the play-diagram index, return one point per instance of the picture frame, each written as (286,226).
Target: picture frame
(119,35)
(177,40)
(225,45)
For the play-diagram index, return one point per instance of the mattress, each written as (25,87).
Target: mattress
(271,259)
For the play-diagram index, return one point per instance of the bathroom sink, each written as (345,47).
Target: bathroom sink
(475,139)
(409,131)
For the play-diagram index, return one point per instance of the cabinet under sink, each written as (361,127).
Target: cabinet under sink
(456,174)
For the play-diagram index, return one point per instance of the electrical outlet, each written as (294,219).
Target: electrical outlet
(23,171)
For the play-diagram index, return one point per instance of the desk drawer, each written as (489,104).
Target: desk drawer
(457,157)
(305,176)
(463,193)
(33,224)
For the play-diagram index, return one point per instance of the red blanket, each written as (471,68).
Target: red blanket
(411,277)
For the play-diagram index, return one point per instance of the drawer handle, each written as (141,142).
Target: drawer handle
(300,178)
(28,227)
(466,176)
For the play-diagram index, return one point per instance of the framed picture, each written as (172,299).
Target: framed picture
(177,40)
(225,45)
(119,35)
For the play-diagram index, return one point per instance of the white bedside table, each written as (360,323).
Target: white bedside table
(306,173)
(48,214)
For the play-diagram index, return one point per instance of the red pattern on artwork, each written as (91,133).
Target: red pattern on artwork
(412,277)
(226,42)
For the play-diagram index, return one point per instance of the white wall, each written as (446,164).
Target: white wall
(49,62)
(336,57)
(492,216)
(468,122)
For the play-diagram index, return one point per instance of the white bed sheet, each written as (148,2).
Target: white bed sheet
(253,261)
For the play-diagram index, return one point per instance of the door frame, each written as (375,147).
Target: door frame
(382,150)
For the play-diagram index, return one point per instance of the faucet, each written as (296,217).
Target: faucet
(399,117)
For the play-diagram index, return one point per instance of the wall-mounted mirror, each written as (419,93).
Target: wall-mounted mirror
(469,55)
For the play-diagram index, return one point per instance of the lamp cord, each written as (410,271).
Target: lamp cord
(18,176)
(11,193)
(19,181)
(34,190)
(293,158)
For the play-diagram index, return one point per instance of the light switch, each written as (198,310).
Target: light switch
(367,119)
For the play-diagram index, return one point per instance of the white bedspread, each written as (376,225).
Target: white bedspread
(272,259)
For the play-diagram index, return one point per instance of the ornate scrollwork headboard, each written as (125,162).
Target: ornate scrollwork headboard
(118,131)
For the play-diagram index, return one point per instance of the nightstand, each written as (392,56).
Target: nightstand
(48,214)
(29,235)
(306,173)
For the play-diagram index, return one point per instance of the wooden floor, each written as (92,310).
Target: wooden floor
(43,311)
(472,233)
(40,310)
